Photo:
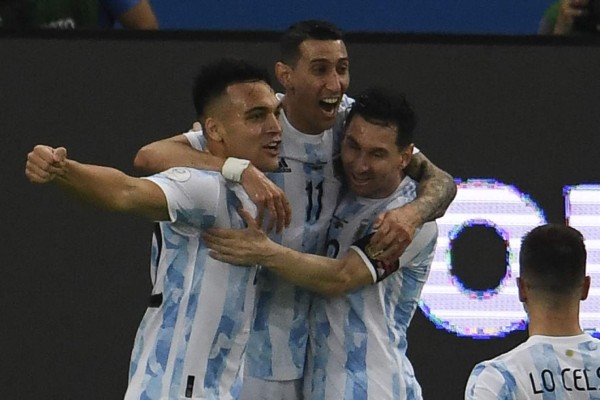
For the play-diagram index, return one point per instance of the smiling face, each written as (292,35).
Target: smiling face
(314,85)
(372,161)
(244,124)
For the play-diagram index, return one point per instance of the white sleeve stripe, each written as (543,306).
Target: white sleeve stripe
(366,260)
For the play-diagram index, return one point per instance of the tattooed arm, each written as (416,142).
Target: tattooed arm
(396,228)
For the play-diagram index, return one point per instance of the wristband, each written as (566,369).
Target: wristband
(379,270)
(233,168)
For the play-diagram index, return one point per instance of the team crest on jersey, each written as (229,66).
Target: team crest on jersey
(178,174)
(283,166)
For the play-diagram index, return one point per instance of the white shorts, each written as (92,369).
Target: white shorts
(260,389)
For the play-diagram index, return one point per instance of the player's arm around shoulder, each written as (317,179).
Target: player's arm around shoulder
(326,276)
(436,188)
(251,246)
(350,273)
(187,150)
(176,151)
(396,227)
(418,255)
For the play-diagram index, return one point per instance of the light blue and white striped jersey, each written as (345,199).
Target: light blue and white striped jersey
(358,340)
(277,347)
(192,338)
(542,368)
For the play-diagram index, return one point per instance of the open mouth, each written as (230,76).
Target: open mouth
(329,104)
(273,147)
(360,181)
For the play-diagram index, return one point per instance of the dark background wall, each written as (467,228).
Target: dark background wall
(454,16)
(75,280)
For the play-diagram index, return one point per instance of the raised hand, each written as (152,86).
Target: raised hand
(45,163)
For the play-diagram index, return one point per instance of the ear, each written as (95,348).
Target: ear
(586,287)
(213,129)
(283,72)
(407,156)
(522,288)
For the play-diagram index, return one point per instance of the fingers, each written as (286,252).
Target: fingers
(393,252)
(215,243)
(386,238)
(280,211)
(59,155)
(268,197)
(284,209)
(378,221)
(41,166)
(273,220)
(229,246)
(390,246)
(254,223)
(391,238)
(222,248)
(268,204)
(229,259)
(35,173)
(223,235)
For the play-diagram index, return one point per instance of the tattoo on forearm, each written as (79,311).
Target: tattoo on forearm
(436,188)
(434,197)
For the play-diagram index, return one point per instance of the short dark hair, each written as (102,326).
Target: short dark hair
(385,107)
(553,258)
(289,44)
(214,78)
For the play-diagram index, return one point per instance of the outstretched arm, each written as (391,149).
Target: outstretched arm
(177,152)
(103,187)
(250,246)
(396,228)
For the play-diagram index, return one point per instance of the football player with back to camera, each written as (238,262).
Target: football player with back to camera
(558,361)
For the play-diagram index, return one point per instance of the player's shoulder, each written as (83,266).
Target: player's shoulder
(505,360)
(189,179)
(489,380)
(347,101)
(405,192)
(495,373)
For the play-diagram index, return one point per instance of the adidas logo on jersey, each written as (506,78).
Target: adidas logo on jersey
(283,167)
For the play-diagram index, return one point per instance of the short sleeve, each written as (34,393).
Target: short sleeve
(379,270)
(193,196)
(487,383)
